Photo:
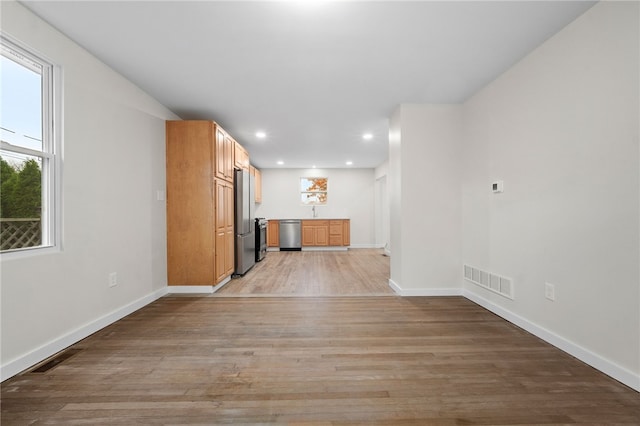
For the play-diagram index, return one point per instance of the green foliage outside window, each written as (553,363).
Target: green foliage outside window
(20,189)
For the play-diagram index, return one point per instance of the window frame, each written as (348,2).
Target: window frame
(50,155)
(307,192)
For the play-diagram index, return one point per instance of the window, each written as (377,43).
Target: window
(27,154)
(313,191)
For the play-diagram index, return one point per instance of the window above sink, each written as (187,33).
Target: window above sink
(313,191)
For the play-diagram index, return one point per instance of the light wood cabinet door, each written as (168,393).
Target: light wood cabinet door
(322,235)
(224,229)
(229,246)
(346,232)
(241,157)
(224,255)
(315,233)
(224,154)
(229,250)
(258,184)
(308,235)
(220,256)
(228,158)
(335,232)
(221,212)
(273,233)
(220,160)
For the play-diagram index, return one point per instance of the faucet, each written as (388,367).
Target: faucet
(313,211)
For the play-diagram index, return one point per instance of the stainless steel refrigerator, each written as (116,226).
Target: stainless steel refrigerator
(244,221)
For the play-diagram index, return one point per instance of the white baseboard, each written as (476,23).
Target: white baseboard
(327,248)
(32,358)
(424,291)
(190,289)
(609,368)
(364,246)
(197,289)
(332,248)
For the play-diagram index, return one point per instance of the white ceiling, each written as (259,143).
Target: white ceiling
(315,75)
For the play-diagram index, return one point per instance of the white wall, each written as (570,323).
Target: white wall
(351,196)
(113,164)
(382,170)
(394,188)
(561,129)
(425,216)
(382,211)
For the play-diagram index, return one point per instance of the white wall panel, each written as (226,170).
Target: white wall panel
(561,129)
(113,164)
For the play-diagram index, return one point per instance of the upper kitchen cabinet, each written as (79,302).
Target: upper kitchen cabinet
(257,179)
(199,205)
(241,157)
(224,158)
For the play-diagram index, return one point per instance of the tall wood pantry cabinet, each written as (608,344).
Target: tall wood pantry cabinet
(200,240)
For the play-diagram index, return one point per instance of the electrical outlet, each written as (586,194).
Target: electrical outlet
(113,279)
(550,291)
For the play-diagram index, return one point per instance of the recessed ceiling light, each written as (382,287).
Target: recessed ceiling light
(367,136)
(280,163)
(349,163)
(314,166)
(261,135)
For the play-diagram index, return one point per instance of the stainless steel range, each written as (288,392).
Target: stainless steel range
(261,238)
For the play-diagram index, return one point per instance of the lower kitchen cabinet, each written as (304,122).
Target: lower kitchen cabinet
(336,232)
(315,233)
(224,253)
(273,233)
(346,232)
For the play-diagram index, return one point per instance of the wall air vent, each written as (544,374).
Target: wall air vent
(489,281)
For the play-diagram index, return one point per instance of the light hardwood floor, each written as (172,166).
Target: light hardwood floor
(333,360)
(315,273)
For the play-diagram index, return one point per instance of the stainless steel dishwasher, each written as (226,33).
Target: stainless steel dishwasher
(290,235)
